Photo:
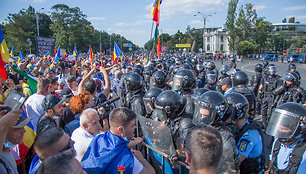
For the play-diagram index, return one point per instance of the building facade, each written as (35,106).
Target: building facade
(216,40)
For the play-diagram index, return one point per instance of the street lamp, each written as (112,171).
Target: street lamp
(204,16)
(37,20)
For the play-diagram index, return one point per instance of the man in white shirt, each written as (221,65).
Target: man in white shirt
(89,128)
(33,104)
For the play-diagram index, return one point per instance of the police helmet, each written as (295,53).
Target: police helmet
(265,63)
(258,67)
(239,104)
(148,70)
(139,67)
(240,78)
(292,66)
(271,69)
(133,81)
(211,65)
(183,80)
(158,79)
(150,97)
(210,108)
(171,103)
(211,77)
(287,121)
(224,69)
(198,92)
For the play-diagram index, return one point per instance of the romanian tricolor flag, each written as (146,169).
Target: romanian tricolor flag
(65,54)
(46,56)
(12,54)
(4,55)
(57,56)
(117,52)
(157,41)
(20,57)
(28,138)
(75,51)
(155,11)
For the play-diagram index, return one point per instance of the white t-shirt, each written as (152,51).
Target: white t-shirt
(34,108)
(81,139)
(137,166)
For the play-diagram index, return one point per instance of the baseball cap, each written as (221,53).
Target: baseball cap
(51,100)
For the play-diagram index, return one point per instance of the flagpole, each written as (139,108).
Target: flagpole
(151,33)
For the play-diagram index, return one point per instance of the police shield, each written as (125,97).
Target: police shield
(283,124)
(157,135)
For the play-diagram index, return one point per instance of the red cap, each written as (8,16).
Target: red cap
(121,168)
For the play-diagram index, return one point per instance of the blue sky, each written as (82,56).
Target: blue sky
(132,18)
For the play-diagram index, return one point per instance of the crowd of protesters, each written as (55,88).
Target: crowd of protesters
(77,130)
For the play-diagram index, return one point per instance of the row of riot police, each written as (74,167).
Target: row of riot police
(185,93)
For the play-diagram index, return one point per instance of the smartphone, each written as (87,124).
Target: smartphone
(15,100)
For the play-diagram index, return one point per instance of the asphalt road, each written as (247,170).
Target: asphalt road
(249,67)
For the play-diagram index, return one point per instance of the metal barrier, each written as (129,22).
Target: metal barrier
(165,156)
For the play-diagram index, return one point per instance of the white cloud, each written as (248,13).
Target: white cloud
(295,8)
(171,8)
(121,24)
(196,22)
(40,1)
(260,7)
(96,18)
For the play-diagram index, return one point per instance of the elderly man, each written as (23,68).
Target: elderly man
(33,104)
(47,143)
(89,128)
(54,111)
(109,151)
(14,136)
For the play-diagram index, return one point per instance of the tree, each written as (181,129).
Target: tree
(261,34)
(292,19)
(22,26)
(284,20)
(246,22)
(245,48)
(230,23)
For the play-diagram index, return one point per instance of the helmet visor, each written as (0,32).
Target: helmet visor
(211,78)
(283,124)
(177,83)
(204,114)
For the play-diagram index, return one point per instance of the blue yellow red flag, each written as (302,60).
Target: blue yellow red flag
(4,55)
(117,52)
(20,57)
(75,51)
(155,11)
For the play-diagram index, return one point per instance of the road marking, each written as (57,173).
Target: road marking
(248,69)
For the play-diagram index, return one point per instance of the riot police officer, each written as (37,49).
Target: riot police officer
(200,75)
(223,71)
(210,66)
(232,63)
(267,85)
(265,64)
(210,110)
(211,81)
(255,82)
(149,99)
(134,93)
(170,108)
(292,68)
(289,91)
(249,138)
(148,72)
(287,124)
(240,81)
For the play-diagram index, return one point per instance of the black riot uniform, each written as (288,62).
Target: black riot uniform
(289,91)
(200,75)
(149,99)
(249,138)
(134,93)
(148,72)
(240,81)
(170,108)
(292,68)
(268,83)
(210,110)
(183,83)
(287,124)
(255,82)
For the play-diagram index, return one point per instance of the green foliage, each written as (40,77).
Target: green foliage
(22,26)
(230,23)
(68,25)
(291,20)
(245,47)
(284,20)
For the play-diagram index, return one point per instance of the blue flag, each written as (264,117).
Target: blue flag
(106,153)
